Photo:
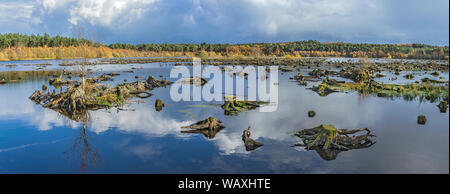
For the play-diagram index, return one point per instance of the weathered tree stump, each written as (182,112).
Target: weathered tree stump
(233,106)
(77,99)
(58,82)
(311,113)
(421,119)
(152,83)
(196,81)
(358,75)
(329,141)
(322,89)
(208,127)
(250,144)
(209,123)
(159,105)
(443,106)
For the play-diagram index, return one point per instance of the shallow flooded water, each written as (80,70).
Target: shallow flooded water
(140,139)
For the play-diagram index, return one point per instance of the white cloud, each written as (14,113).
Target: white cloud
(146,151)
(144,120)
(50,5)
(43,119)
(109,13)
(17,12)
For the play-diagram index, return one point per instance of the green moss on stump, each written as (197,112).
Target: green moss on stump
(159,105)
(234,106)
(421,119)
(311,113)
(409,76)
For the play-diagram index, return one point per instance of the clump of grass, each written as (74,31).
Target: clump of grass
(411,91)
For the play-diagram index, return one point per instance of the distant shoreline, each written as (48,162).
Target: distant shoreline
(36,47)
(190,56)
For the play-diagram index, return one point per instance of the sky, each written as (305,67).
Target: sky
(232,21)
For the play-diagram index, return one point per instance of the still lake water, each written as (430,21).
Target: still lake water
(38,140)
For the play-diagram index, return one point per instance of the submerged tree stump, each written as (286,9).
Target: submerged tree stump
(76,100)
(209,123)
(421,119)
(233,106)
(303,80)
(152,83)
(311,113)
(358,75)
(99,79)
(250,144)
(159,105)
(196,81)
(58,82)
(443,105)
(322,89)
(208,127)
(329,141)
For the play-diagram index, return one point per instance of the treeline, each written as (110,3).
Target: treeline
(18,40)
(14,46)
(309,48)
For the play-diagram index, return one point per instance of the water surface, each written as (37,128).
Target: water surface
(141,140)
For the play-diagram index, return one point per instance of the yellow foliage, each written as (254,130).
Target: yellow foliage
(289,57)
(30,53)
(3,57)
(234,51)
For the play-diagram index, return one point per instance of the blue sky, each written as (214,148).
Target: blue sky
(232,21)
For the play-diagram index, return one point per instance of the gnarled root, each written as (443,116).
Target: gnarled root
(79,99)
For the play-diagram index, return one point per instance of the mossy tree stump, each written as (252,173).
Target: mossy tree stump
(409,76)
(329,141)
(250,144)
(443,106)
(421,119)
(233,106)
(77,99)
(322,89)
(311,113)
(208,127)
(159,105)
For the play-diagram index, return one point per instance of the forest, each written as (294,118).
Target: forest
(14,46)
